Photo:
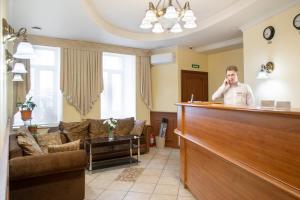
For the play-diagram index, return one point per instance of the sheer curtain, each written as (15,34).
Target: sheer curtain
(44,87)
(118,99)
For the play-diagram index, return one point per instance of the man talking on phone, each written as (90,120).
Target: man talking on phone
(234,92)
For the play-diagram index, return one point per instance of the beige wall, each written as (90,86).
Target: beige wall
(165,87)
(284,51)
(164,83)
(166,78)
(217,64)
(186,57)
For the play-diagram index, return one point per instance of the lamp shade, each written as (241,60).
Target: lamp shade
(190,24)
(146,24)
(24,51)
(188,19)
(171,13)
(17,77)
(176,28)
(262,75)
(19,68)
(157,28)
(150,16)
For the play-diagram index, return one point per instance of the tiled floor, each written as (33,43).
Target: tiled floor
(158,181)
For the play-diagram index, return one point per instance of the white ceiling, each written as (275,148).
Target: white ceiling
(117,21)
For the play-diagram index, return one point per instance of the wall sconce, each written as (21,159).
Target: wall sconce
(9,59)
(24,49)
(18,68)
(265,70)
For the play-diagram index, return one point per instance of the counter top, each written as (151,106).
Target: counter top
(213,105)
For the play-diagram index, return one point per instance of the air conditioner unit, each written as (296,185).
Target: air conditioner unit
(162,58)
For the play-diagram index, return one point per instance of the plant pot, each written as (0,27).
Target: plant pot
(32,129)
(26,115)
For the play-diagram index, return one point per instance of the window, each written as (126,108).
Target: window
(118,97)
(44,89)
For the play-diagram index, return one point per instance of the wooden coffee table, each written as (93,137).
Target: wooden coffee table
(91,143)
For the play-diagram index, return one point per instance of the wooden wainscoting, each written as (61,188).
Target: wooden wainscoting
(156,117)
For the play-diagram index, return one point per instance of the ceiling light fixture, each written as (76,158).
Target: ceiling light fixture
(166,16)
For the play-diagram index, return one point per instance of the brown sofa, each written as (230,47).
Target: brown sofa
(48,176)
(106,152)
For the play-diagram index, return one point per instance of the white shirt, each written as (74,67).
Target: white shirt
(238,94)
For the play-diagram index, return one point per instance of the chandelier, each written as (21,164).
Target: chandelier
(168,16)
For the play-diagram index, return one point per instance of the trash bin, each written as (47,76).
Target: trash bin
(160,142)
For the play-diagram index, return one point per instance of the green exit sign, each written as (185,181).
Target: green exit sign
(195,66)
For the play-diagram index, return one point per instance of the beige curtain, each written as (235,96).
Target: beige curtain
(144,62)
(81,77)
(21,89)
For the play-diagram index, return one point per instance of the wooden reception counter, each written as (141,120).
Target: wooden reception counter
(239,153)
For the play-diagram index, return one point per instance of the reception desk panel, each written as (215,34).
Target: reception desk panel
(260,149)
(211,177)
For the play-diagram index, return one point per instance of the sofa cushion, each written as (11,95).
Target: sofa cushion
(138,127)
(46,139)
(124,126)
(14,149)
(27,142)
(63,136)
(75,130)
(97,128)
(74,126)
(71,146)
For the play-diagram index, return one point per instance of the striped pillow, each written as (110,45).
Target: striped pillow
(71,146)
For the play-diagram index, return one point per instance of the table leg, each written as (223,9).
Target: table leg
(139,152)
(91,158)
(130,145)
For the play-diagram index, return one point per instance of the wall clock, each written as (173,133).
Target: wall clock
(296,22)
(269,33)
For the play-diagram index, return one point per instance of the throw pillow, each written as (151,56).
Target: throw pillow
(27,142)
(46,139)
(124,126)
(71,146)
(138,127)
(97,128)
(63,136)
(75,130)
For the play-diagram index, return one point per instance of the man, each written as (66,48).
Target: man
(234,92)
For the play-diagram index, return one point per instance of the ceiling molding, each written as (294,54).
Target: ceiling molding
(114,23)
(251,24)
(226,13)
(220,45)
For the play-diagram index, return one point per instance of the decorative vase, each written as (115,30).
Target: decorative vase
(110,135)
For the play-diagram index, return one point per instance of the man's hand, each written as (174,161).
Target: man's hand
(226,82)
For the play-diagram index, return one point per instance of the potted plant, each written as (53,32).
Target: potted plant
(32,128)
(111,125)
(26,109)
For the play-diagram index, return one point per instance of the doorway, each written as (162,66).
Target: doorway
(195,83)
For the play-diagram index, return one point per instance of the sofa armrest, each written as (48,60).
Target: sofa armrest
(46,164)
(146,133)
